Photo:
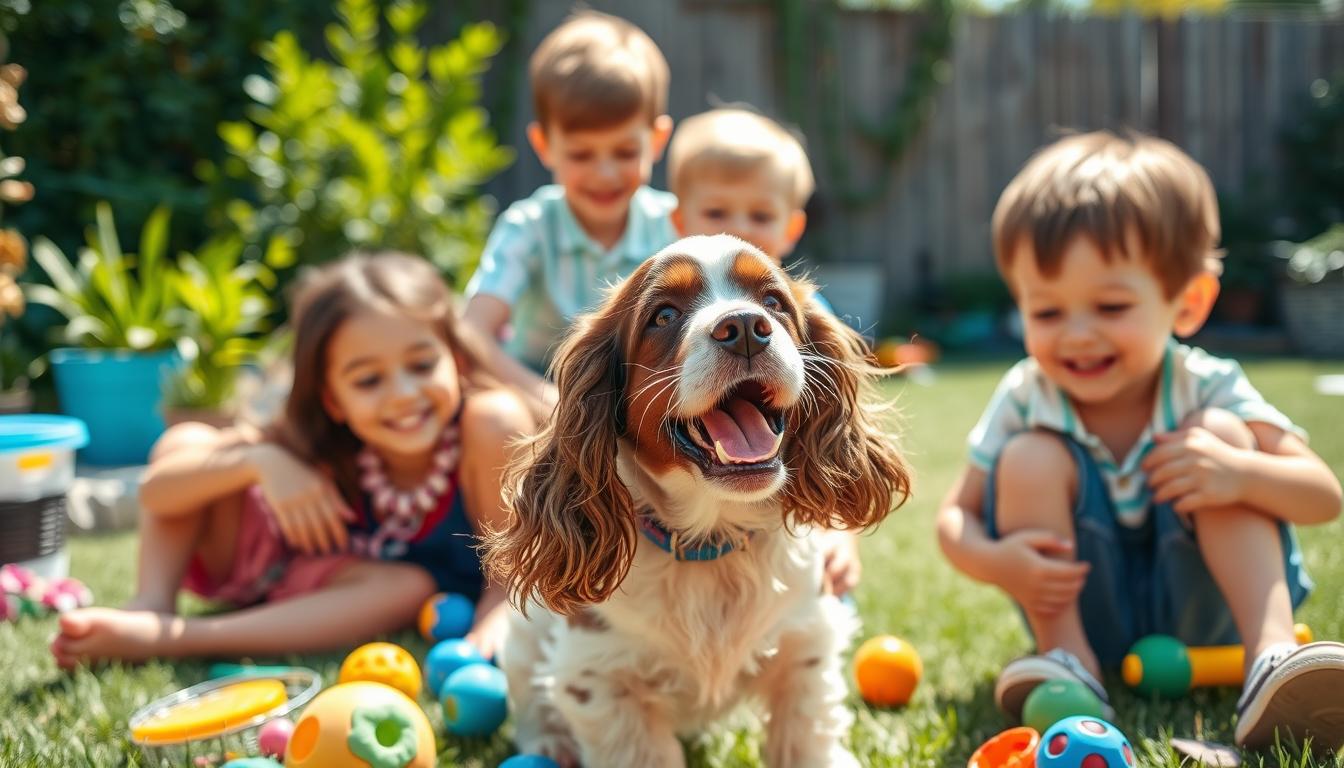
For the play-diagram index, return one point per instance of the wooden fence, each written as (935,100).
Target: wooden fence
(1221,87)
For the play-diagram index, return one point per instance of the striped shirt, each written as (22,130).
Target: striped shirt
(541,262)
(1191,380)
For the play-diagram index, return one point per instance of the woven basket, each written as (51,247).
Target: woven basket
(1314,315)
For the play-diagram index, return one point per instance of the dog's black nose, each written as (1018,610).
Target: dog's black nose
(742,333)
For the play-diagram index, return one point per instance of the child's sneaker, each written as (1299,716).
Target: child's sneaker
(1296,691)
(1021,676)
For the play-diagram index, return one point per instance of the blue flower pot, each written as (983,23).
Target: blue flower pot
(115,392)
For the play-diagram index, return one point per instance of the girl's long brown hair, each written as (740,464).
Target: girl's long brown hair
(326,297)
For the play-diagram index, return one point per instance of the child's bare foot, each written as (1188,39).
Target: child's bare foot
(108,634)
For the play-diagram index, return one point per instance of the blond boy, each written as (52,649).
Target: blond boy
(599,89)
(1120,483)
(736,171)
(739,172)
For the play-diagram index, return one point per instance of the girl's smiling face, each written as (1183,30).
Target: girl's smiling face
(393,380)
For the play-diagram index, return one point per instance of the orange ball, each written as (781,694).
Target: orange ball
(887,670)
(384,663)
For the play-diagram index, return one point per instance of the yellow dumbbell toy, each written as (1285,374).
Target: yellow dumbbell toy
(1163,665)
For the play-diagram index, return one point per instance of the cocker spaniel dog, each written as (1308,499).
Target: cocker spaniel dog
(711,416)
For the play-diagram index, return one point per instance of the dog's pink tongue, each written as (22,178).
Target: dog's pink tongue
(740,432)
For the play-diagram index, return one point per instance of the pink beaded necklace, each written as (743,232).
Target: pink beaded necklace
(402,512)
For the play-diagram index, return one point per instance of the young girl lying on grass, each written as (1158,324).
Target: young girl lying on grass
(336,522)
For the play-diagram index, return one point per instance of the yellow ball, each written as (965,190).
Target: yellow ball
(384,663)
(887,670)
(361,725)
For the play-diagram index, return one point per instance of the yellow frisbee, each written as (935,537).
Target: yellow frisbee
(211,713)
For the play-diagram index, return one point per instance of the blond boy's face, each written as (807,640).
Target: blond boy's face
(753,206)
(600,169)
(1099,329)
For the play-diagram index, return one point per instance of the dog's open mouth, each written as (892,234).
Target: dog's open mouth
(743,433)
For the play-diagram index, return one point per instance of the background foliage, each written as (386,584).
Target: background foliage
(125,100)
(384,146)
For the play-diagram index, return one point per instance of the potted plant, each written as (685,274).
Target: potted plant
(119,309)
(1312,296)
(224,305)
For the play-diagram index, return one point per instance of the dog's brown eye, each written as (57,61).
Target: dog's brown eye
(665,316)
(772,303)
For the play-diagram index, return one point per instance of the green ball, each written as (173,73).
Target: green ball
(1158,664)
(1054,700)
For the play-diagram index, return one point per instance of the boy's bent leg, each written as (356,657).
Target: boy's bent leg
(1036,487)
(1044,482)
(1243,551)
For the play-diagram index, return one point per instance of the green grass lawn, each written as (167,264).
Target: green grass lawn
(965,632)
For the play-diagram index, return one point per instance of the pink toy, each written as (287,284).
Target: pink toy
(23,593)
(274,737)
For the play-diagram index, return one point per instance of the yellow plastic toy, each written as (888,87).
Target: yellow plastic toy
(384,663)
(1163,665)
(361,725)
(211,713)
(887,670)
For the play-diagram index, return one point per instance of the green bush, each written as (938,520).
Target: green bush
(124,99)
(383,146)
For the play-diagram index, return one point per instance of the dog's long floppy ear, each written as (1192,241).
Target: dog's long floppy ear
(845,470)
(571,534)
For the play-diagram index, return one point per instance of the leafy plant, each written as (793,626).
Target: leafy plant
(111,299)
(224,306)
(382,146)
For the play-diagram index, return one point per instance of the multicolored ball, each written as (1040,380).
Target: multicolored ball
(446,616)
(1084,742)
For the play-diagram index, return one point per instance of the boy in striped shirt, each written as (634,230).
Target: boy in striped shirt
(1120,483)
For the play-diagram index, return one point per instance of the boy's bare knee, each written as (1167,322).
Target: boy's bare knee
(1035,459)
(1225,425)
(180,436)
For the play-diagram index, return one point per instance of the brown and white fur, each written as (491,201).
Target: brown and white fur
(621,647)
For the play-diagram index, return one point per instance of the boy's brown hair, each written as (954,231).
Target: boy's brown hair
(733,140)
(595,71)
(1122,192)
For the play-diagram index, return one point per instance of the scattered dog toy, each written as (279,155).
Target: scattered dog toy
(1163,665)
(1084,742)
(446,616)
(1054,700)
(475,700)
(529,761)
(23,593)
(384,663)
(1013,748)
(361,725)
(274,737)
(447,657)
(887,670)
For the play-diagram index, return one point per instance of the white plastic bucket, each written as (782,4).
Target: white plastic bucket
(37,467)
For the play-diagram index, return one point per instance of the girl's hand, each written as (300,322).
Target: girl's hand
(841,564)
(1031,566)
(1195,470)
(308,509)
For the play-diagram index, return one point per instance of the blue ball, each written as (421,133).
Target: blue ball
(475,700)
(1084,741)
(446,616)
(529,761)
(447,657)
